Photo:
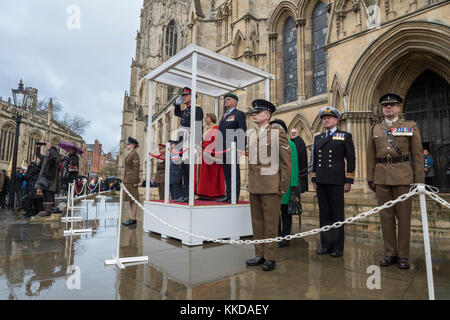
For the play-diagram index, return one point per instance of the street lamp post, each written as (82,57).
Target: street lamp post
(19,97)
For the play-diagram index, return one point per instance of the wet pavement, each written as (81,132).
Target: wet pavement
(38,262)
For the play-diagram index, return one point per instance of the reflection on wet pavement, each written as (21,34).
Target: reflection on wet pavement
(38,262)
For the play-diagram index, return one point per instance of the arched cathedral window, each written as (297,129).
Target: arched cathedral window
(290,60)
(171,39)
(31,152)
(8,133)
(319,33)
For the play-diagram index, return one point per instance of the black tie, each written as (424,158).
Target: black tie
(328,133)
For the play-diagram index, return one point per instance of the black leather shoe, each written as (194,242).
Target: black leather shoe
(403,263)
(283,244)
(129,222)
(388,261)
(336,254)
(323,251)
(255,261)
(225,199)
(268,265)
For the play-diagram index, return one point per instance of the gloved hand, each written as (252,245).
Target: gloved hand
(179,100)
(371,186)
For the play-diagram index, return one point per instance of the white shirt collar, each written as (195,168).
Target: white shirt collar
(331,131)
(261,129)
(231,110)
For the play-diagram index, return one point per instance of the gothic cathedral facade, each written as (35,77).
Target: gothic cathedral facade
(344,53)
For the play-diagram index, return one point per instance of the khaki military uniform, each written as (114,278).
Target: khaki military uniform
(393,173)
(266,180)
(160,177)
(131,177)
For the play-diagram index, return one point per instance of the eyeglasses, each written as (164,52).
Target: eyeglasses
(391,104)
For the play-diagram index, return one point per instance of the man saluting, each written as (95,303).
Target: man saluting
(184,136)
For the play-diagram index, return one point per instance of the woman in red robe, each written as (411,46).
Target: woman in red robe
(211,183)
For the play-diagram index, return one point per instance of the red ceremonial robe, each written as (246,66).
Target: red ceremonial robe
(212,180)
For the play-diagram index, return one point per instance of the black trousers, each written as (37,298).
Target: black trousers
(175,191)
(73,176)
(37,205)
(49,196)
(227,174)
(285,222)
(3,200)
(331,210)
(184,169)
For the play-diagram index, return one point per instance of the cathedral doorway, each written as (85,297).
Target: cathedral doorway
(428,104)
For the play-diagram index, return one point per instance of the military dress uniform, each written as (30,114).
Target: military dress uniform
(232,120)
(266,181)
(184,137)
(131,175)
(394,162)
(330,174)
(160,177)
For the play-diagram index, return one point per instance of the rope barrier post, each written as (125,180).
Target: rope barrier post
(70,206)
(68,199)
(426,241)
(233,172)
(167,174)
(99,196)
(71,212)
(119,223)
(71,231)
(120,261)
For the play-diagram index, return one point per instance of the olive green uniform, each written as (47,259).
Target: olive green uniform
(265,183)
(392,173)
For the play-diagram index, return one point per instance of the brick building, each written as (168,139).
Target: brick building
(97,162)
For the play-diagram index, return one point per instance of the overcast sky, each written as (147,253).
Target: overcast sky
(87,69)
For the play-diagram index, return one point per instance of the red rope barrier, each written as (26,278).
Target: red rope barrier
(158,156)
(224,151)
(179,153)
(210,152)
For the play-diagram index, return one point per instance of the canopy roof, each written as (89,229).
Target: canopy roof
(217,75)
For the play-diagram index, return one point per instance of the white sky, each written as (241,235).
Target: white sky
(87,69)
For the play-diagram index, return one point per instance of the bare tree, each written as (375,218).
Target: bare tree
(115,150)
(75,123)
(42,105)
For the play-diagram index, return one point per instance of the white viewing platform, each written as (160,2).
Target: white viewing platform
(211,74)
(213,220)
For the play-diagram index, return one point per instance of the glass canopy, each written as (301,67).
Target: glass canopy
(217,75)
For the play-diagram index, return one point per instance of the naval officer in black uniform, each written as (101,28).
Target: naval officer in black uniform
(331,179)
(184,134)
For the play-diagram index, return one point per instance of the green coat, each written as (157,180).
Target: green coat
(294,174)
